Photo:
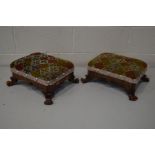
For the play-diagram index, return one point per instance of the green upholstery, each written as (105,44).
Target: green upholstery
(121,65)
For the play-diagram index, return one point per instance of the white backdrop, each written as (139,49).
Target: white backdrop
(78,44)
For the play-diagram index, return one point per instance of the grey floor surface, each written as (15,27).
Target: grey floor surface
(91,105)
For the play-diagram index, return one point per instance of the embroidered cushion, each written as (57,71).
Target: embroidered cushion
(43,68)
(117,66)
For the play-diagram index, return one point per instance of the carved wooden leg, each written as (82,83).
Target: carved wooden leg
(144,78)
(131,92)
(48,97)
(73,79)
(12,82)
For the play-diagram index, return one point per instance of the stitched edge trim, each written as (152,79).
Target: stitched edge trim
(43,82)
(114,75)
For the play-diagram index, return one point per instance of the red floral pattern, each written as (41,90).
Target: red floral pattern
(42,66)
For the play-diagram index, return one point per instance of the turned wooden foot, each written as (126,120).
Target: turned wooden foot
(144,78)
(48,98)
(12,82)
(73,79)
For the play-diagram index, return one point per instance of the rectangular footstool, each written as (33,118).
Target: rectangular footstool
(124,71)
(44,71)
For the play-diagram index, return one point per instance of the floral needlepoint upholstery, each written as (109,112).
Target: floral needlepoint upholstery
(43,68)
(117,66)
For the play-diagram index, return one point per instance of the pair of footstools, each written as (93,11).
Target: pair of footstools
(48,72)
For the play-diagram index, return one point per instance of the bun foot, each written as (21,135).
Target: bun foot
(73,79)
(12,82)
(48,98)
(86,79)
(76,80)
(48,102)
(9,83)
(133,98)
(145,78)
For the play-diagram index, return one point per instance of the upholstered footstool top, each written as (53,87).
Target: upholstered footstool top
(117,66)
(44,71)
(43,68)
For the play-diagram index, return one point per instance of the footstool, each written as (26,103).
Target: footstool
(123,71)
(44,71)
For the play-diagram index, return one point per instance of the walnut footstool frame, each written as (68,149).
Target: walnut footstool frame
(129,85)
(49,90)
(48,87)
